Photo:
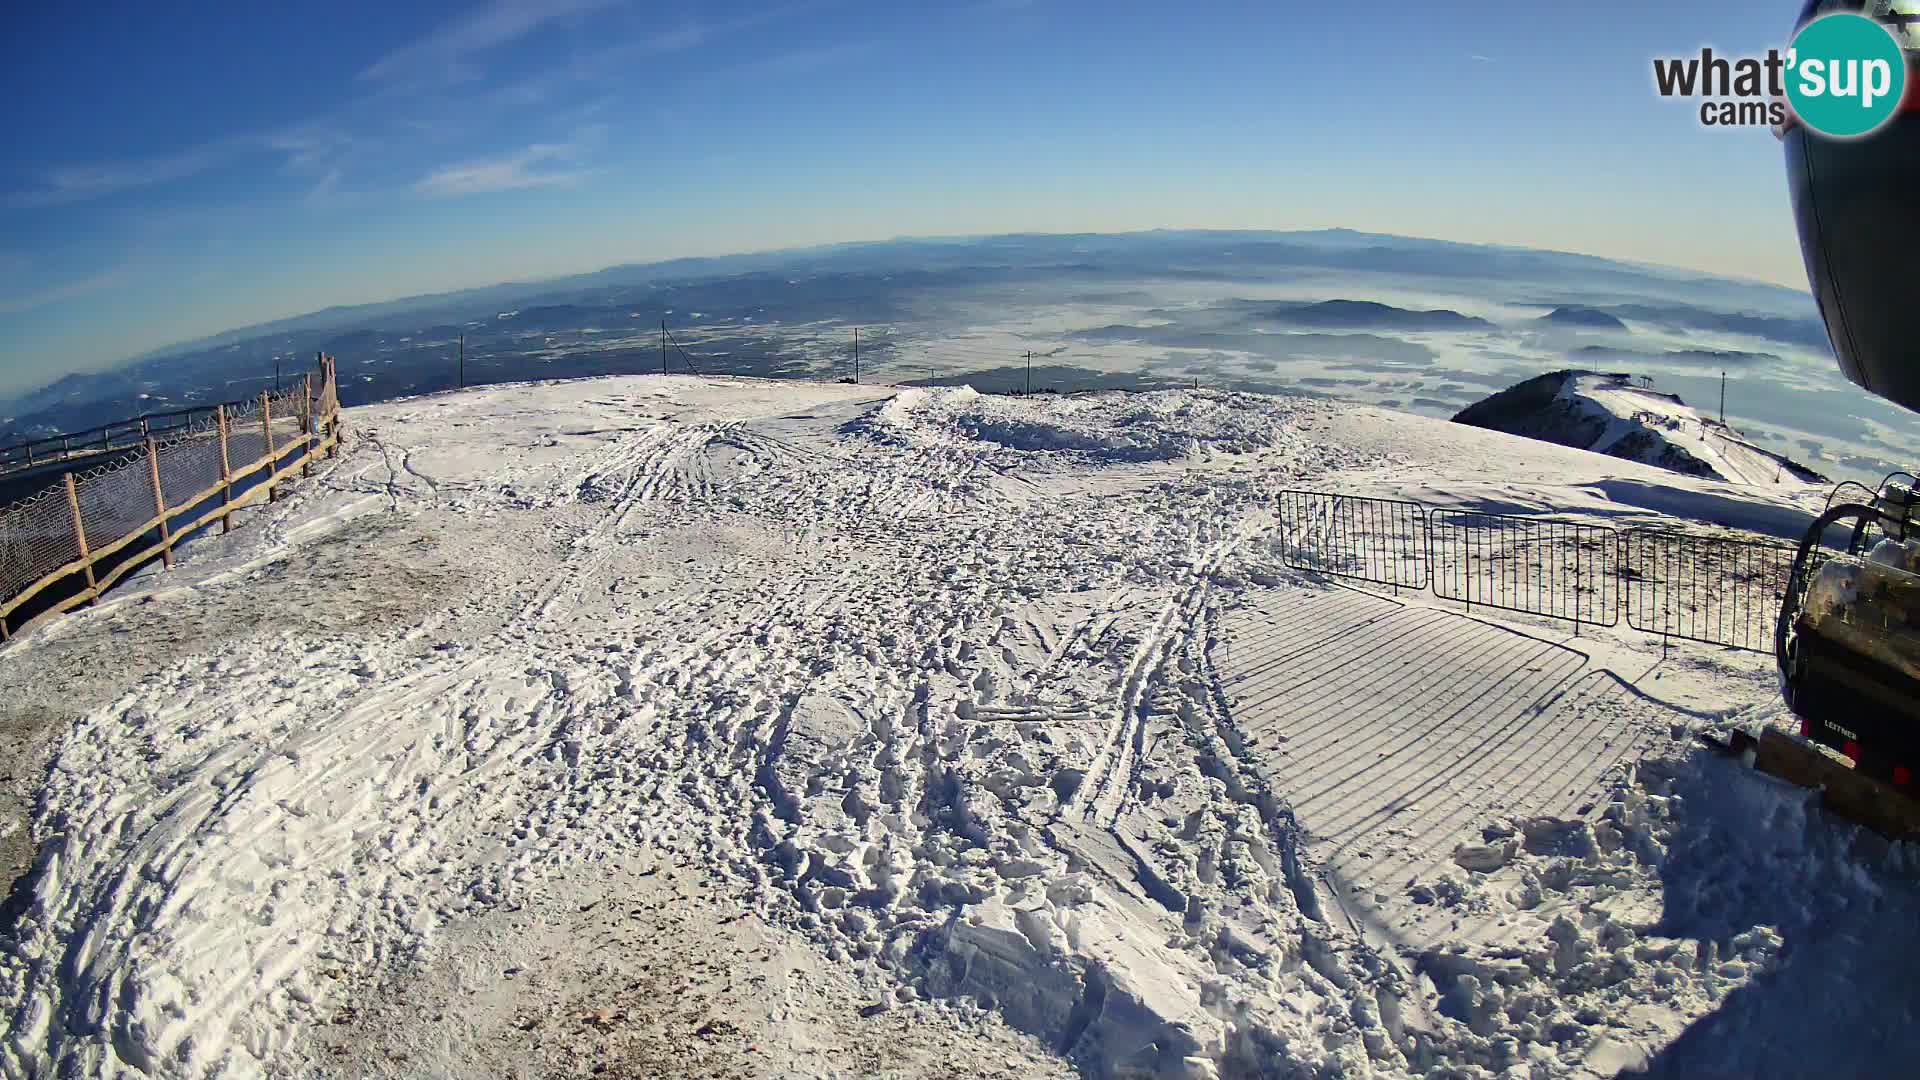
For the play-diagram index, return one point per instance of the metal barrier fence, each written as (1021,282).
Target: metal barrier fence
(1380,540)
(1537,566)
(1715,590)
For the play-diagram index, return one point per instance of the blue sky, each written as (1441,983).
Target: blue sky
(170,175)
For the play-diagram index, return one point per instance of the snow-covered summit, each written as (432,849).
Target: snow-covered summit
(1608,414)
(667,725)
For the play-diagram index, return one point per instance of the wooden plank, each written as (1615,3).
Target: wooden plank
(132,563)
(1844,791)
(121,544)
(32,590)
(249,470)
(75,601)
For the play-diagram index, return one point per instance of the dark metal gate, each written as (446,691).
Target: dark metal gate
(1538,566)
(1377,540)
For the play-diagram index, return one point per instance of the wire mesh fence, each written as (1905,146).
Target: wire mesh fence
(37,536)
(116,501)
(103,515)
(1377,540)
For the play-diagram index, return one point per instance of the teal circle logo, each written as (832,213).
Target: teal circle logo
(1846,75)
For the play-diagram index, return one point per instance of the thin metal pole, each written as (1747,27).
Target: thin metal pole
(663,346)
(463,361)
(856,354)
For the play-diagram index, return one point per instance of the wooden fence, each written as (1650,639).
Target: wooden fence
(69,544)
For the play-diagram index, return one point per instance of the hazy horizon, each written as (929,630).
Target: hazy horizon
(170,181)
(12,390)
(1238,310)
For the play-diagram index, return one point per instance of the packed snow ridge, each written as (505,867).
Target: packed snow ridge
(1608,414)
(659,725)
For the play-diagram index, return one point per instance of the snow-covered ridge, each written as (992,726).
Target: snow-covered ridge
(1608,414)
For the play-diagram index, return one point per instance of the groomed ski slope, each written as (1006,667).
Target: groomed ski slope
(662,725)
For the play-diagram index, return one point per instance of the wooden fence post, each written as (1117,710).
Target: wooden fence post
(307,427)
(226,470)
(80,538)
(160,504)
(333,410)
(266,425)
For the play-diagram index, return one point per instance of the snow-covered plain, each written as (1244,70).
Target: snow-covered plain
(665,725)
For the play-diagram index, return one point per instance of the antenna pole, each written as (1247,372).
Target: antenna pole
(1723,399)
(463,361)
(1029,372)
(663,346)
(856,354)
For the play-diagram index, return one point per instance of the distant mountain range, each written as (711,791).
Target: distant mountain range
(1175,253)
(1333,312)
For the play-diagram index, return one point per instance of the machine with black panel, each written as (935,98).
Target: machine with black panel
(1848,637)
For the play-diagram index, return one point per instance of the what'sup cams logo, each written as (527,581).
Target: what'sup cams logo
(1844,75)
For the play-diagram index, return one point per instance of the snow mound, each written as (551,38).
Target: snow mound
(1899,554)
(1638,939)
(1112,426)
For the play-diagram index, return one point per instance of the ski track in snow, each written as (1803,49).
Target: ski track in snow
(923,687)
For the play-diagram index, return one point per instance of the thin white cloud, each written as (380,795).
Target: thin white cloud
(494,24)
(77,183)
(325,189)
(513,172)
(306,150)
(15,303)
(617,60)
(309,148)
(795,62)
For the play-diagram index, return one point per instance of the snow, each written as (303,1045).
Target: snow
(1899,554)
(1634,409)
(1835,587)
(920,731)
